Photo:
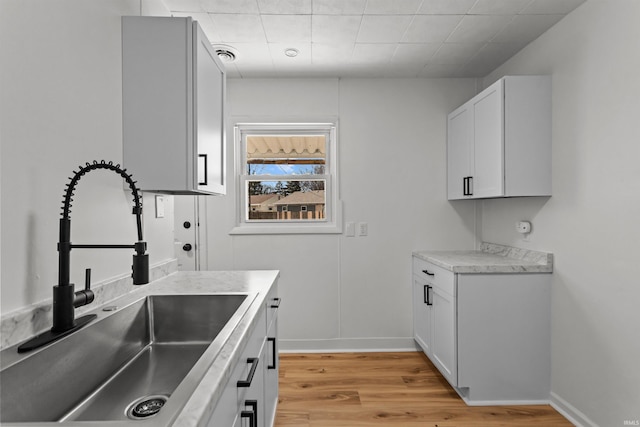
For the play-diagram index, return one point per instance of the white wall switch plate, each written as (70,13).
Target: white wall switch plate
(159,206)
(363,229)
(350,229)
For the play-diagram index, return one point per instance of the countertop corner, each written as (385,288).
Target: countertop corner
(491,258)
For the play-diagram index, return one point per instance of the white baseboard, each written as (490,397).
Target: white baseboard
(343,345)
(503,402)
(568,411)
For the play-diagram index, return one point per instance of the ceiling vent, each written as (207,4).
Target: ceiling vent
(226,53)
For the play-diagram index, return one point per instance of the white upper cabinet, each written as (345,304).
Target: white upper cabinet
(499,142)
(173,106)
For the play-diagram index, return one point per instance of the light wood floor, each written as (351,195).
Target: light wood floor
(385,389)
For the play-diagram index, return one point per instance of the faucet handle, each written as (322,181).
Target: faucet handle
(87,279)
(86,296)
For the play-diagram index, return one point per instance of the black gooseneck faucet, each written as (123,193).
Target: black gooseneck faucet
(65,299)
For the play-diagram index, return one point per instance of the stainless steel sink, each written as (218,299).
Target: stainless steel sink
(140,363)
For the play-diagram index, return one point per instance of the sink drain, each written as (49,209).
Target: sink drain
(146,407)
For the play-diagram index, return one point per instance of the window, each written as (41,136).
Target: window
(287,178)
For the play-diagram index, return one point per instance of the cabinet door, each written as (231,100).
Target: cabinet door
(488,130)
(459,150)
(271,374)
(422,295)
(443,340)
(209,99)
(256,392)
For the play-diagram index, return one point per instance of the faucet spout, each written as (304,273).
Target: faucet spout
(65,298)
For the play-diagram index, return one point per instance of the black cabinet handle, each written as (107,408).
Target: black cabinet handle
(187,247)
(276,303)
(252,414)
(274,354)
(206,174)
(426,295)
(428,273)
(254,365)
(467,186)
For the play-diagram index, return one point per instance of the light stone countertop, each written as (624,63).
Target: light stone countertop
(491,258)
(200,405)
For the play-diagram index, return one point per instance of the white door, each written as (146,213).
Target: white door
(488,113)
(186,227)
(443,340)
(422,300)
(459,150)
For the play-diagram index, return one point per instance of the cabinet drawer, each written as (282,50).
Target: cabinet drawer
(272,303)
(435,276)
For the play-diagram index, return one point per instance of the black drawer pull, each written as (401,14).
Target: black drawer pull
(252,414)
(276,303)
(274,354)
(254,365)
(428,273)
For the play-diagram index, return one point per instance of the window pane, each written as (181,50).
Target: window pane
(285,154)
(286,200)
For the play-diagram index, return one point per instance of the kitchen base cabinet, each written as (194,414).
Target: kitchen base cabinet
(435,316)
(241,396)
(504,338)
(272,367)
(488,334)
(250,396)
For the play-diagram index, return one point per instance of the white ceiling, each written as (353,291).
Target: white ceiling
(372,38)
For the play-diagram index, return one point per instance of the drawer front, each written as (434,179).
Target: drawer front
(272,304)
(436,276)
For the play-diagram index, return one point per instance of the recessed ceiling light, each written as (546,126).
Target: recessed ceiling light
(291,52)
(226,54)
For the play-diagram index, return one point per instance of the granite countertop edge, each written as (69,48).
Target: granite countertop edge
(491,258)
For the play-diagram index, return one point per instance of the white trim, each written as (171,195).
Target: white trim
(500,402)
(347,345)
(332,224)
(567,410)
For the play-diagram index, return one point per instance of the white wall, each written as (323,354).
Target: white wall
(590,222)
(355,292)
(61,106)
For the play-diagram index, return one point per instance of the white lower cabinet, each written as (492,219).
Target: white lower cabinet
(272,367)
(250,396)
(488,334)
(435,316)
(422,313)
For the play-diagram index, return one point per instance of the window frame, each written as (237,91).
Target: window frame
(332,224)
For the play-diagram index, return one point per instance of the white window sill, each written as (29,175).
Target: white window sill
(286,229)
